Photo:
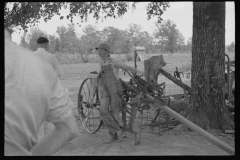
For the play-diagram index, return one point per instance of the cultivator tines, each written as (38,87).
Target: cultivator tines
(147,87)
(148,114)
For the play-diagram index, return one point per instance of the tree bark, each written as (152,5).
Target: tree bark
(207,108)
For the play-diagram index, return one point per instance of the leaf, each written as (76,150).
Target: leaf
(30,12)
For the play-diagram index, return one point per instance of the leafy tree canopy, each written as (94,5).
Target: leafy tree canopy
(23,14)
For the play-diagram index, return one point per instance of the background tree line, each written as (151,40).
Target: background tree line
(165,38)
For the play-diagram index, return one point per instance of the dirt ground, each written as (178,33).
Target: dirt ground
(151,144)
(172,142)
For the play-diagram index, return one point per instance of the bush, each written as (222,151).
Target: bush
(185,67)
(68,58)
(129,57)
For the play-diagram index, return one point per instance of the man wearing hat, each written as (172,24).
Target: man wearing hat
(109,91)
(43,45)
(41,52)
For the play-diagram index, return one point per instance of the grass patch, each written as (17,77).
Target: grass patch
(66,58)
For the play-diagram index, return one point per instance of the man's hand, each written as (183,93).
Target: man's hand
(62,133)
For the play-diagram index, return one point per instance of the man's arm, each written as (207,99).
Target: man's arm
(57,66)
(61,115)
(59,136)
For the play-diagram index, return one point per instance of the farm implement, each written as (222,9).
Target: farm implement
(143,100)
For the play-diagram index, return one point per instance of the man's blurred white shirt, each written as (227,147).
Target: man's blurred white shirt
(50,58)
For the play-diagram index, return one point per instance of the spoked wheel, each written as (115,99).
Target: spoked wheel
(88,105)
(147,113)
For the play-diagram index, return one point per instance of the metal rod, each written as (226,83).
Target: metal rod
(228,77)
(175,80)
(135,59)
(194,127)
(232,79)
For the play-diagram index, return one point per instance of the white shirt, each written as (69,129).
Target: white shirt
(50,58)
(33,94)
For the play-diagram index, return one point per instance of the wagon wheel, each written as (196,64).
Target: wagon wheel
(88,106)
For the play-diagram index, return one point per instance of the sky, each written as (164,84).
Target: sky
(181,13)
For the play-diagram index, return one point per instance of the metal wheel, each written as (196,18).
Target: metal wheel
(88,106)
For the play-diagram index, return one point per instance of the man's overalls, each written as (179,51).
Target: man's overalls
(110,95)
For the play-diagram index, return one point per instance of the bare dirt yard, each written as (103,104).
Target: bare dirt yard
(173,142)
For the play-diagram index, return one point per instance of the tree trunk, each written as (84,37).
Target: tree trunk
(208,108)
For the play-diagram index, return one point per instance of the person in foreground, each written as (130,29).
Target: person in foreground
(34,94)
(110,92)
